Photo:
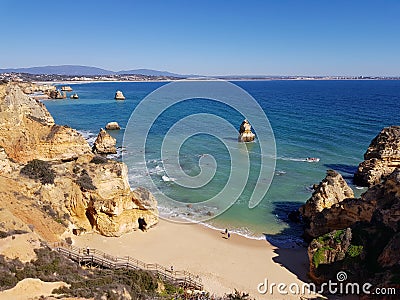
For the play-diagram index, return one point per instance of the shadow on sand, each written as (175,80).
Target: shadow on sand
(291,249)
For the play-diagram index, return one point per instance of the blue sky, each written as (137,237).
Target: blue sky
(206,37)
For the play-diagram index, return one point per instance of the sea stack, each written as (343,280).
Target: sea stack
(245,133)
(113,126)
(104,144)
(119,96)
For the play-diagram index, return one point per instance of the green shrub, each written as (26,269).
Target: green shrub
(4,234)
(319,256)
(354,251)
(39,170)
(87,283)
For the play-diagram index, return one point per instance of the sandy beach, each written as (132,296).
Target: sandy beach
(223,264)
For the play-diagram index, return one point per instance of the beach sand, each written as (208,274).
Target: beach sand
(223,264)
(31,288)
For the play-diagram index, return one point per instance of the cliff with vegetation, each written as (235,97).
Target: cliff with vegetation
(360,236)
(51,170)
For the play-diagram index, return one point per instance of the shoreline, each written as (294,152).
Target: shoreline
(223,264)
(73,82)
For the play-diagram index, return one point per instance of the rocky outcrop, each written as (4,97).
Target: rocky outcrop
(371,252)
(339,216)
(387,198)
(16,106)
(390,256)
(245,133)
(113,126)
(98,197)
(66,88)
(323,211)
(104,144)
(119,95)
(87,193)
(27,130)
(57,94)
(327,250)
(381,158)
(380,203)
(331,190)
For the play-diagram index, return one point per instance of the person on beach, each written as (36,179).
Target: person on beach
(87,250)
(226,231)
(229,235)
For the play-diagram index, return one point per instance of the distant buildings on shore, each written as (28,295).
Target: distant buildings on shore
(26,77)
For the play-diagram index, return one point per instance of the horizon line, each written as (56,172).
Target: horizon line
(177,73)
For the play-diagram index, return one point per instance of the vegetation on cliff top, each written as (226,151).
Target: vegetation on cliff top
(39,170)
(85,182)
(87,283)
(94,283)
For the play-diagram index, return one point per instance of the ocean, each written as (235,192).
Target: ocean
(332,120)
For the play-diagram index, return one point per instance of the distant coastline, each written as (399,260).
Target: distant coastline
(17,77)
(82,74)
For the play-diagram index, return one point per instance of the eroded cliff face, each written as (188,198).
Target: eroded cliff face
(381,157)
(331,190)
(27,130)
(88,193)
(371,252)
(323,212)
(359,236)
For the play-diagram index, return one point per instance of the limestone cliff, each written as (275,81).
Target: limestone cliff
(27,130)
(381,157)
(359,236)
(371,253)
(323,211)
(331,190)
(88,192)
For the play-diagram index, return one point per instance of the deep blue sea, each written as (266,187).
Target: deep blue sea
(332,120)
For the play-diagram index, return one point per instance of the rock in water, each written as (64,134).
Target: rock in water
(245,133)
(119,96)
(113,126)
(381,158)
(104,144)
(331,190)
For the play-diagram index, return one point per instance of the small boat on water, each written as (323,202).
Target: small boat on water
(312,159)
(74,96)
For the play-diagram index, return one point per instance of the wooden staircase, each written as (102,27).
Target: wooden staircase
(95,257)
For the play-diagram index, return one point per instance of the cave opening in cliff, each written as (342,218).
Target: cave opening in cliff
(142,224)
(90,212)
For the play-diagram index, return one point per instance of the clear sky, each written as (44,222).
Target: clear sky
(208,37)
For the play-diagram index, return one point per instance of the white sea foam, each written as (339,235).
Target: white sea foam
(291,158)
(165,178)
(89,136)
(186,214)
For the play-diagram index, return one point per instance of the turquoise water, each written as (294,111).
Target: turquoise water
(332,120)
